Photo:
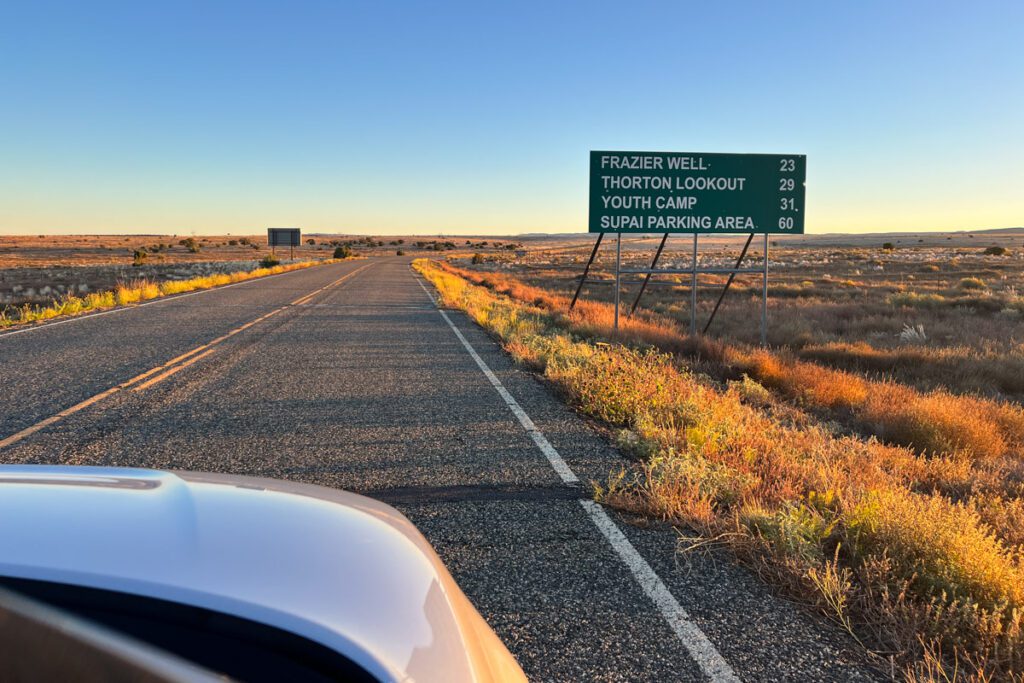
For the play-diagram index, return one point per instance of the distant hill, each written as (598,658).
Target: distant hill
(996,230)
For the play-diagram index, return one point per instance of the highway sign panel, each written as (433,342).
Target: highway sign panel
(283,237)
(697,192)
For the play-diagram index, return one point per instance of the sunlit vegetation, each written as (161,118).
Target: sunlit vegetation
(934,422)
(911,539)
(962,303)
(138,290)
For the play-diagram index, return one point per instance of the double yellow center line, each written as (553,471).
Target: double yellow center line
(162,372)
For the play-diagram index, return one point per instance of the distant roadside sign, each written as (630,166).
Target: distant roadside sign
(283,237)
(697,192)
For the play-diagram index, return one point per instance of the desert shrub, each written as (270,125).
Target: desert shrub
(915,300)
(996,251)
(971,283)
(268,261)
(913,334)
(792,291)
(478,259)
(139,257)
(934,423)
(342,252)
(942,547)
(399,252)
(751,391)
(191,244)
(888,246)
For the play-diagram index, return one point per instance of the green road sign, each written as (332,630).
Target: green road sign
(696,192)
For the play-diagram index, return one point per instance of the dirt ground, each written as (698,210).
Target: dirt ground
(40,251)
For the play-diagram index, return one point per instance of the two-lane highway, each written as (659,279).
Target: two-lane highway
(58,365)
(349,376)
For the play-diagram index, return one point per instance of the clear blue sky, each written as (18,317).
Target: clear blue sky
(476,117)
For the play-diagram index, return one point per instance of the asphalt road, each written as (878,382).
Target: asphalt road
(365,386)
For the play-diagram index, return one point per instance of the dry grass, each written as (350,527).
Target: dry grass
(919,556)
(976,371)
(934,422)
(830,297)
(134,292)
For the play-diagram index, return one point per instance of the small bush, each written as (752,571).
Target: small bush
(888,246)
(190,244)
(342,252)
(478,259)
(399,252)
(268,261)
(915,300)
(996,251)
(912,334)
(971,283)
(139,257)
(751,391)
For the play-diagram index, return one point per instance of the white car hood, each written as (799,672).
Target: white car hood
(340,569)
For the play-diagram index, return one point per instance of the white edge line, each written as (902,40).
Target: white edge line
(563,470)
(700,648)
(159,300)
(693,639)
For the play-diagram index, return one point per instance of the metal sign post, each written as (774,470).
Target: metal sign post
(647,278)
(764,297)
(284,237)
(728,283)
(693,271)
(619,272)
(693,290)
(586,270)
